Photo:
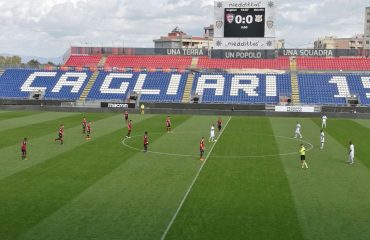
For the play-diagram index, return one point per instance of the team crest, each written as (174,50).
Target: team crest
(259,18)
(230,18)
(270,24)
(219,24)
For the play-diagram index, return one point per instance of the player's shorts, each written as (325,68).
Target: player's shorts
(24,151)
(219,128)
(351,156)
(212,135)
(88,132)
(60,135)
(303,157)
(126,118)
(83,126)
(168,125)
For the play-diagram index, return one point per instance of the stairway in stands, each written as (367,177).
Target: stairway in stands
(189,85)
(294,82)
(194,62)
(189,82)
(88,87)
(1,72)
(102,61)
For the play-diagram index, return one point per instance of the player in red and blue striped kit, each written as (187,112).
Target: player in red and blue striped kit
(24,149)
(60,134)
(146,142)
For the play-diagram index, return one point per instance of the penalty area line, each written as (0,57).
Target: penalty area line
(191,185)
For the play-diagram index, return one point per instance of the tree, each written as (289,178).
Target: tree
(16,60)
(33,63)
(12,61)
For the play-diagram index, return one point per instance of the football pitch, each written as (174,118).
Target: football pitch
(250,186)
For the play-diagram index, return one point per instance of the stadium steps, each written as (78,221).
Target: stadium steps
(194,62)
(188,87)
(1,72)
(294,82)
(102,61)
(88,87)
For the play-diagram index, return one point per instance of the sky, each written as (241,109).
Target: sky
(47,28)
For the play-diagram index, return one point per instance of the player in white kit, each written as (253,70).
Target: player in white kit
(212,134)
(351,154)
(323,121)
(322,139)
(298,130)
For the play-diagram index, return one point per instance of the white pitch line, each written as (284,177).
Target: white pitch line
(221,156)
(192,184)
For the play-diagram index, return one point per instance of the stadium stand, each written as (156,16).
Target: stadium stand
(241,89)
(329,89)
(149,62)
(19,83)
(82,61)
(281,63)
(314,88)
(350,64)
(156,86)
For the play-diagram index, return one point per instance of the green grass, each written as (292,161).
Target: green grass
(250,187)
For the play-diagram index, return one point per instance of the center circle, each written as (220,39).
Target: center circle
(124,142)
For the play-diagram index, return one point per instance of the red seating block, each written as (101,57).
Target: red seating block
(83,61)
(149,62)
(279,63)
(352,64)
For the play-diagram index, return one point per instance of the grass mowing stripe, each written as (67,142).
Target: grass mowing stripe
(240,198)
(36,130)
(55,182)
(101,203)
(15,114)
(344,130)
(33,118)
(43,148)
(191,185)
(331,197)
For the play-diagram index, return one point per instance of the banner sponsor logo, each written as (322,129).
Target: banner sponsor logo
(244,43)
(299,109)
(117,105)
(246,5)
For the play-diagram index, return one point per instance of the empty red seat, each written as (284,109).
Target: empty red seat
(149,62)
(83,61)
(351,64)
(279,63)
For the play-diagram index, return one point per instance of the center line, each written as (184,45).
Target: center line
(192,184)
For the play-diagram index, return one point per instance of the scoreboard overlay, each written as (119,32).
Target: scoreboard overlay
(244,25)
